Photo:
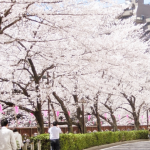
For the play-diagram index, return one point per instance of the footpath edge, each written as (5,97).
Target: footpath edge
(114,144)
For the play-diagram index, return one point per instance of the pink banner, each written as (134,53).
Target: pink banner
(142,119)
(16,109)
(69,113)
(89,116)
(57,113)
(45,113)
(31,114)
(1,108)
(127,118)
(105,115)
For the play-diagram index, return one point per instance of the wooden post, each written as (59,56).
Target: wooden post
(83,115)
(49,123)
(147,120)
(25,146)
(39,145)
(30,132)
(32,145)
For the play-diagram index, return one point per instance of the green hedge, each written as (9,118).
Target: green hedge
(81,141)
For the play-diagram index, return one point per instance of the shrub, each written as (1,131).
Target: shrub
(81,141)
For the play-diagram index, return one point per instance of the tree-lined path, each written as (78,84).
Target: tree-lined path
(72,62)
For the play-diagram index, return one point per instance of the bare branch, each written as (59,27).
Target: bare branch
(126,110)
(34,71)
(10,104)
(1,31)
(48,68)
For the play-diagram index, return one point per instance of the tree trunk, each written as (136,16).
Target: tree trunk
(80,119)
(132,101)
(39,119)
(97,114)
(136,124)
(115,128)
(98,122)
(54,114)
(70,128)
(81,126)
(40,122)
(136,120)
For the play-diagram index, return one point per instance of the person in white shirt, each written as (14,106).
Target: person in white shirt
(7,139)
(54,136)
(18,139)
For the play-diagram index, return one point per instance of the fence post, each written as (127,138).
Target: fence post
(39,145)
(32,145)
(25,146)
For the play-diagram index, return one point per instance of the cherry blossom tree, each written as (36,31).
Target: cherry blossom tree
(80,49)
(26,40)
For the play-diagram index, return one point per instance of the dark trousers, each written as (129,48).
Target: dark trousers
(55,144)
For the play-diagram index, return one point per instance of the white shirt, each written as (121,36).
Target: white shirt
(54,132)
(18,138)
(7,139)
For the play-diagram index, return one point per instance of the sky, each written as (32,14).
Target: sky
(121,1)
(145,1)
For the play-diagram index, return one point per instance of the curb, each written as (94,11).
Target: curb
(114,144)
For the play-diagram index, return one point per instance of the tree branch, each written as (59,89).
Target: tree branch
(106,120)
(126,110)
(62,106)
(48,68)
(1,31)
(10,104)
(28,72)
(34,71)
(23,89)
(140,108)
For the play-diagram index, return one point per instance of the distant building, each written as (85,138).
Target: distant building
(140,10)
(143,12)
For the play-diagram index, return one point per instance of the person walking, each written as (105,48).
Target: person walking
(54,136)
(18,139)
(7,139)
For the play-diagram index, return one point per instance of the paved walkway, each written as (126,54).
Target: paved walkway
(131,146)
(127,145)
